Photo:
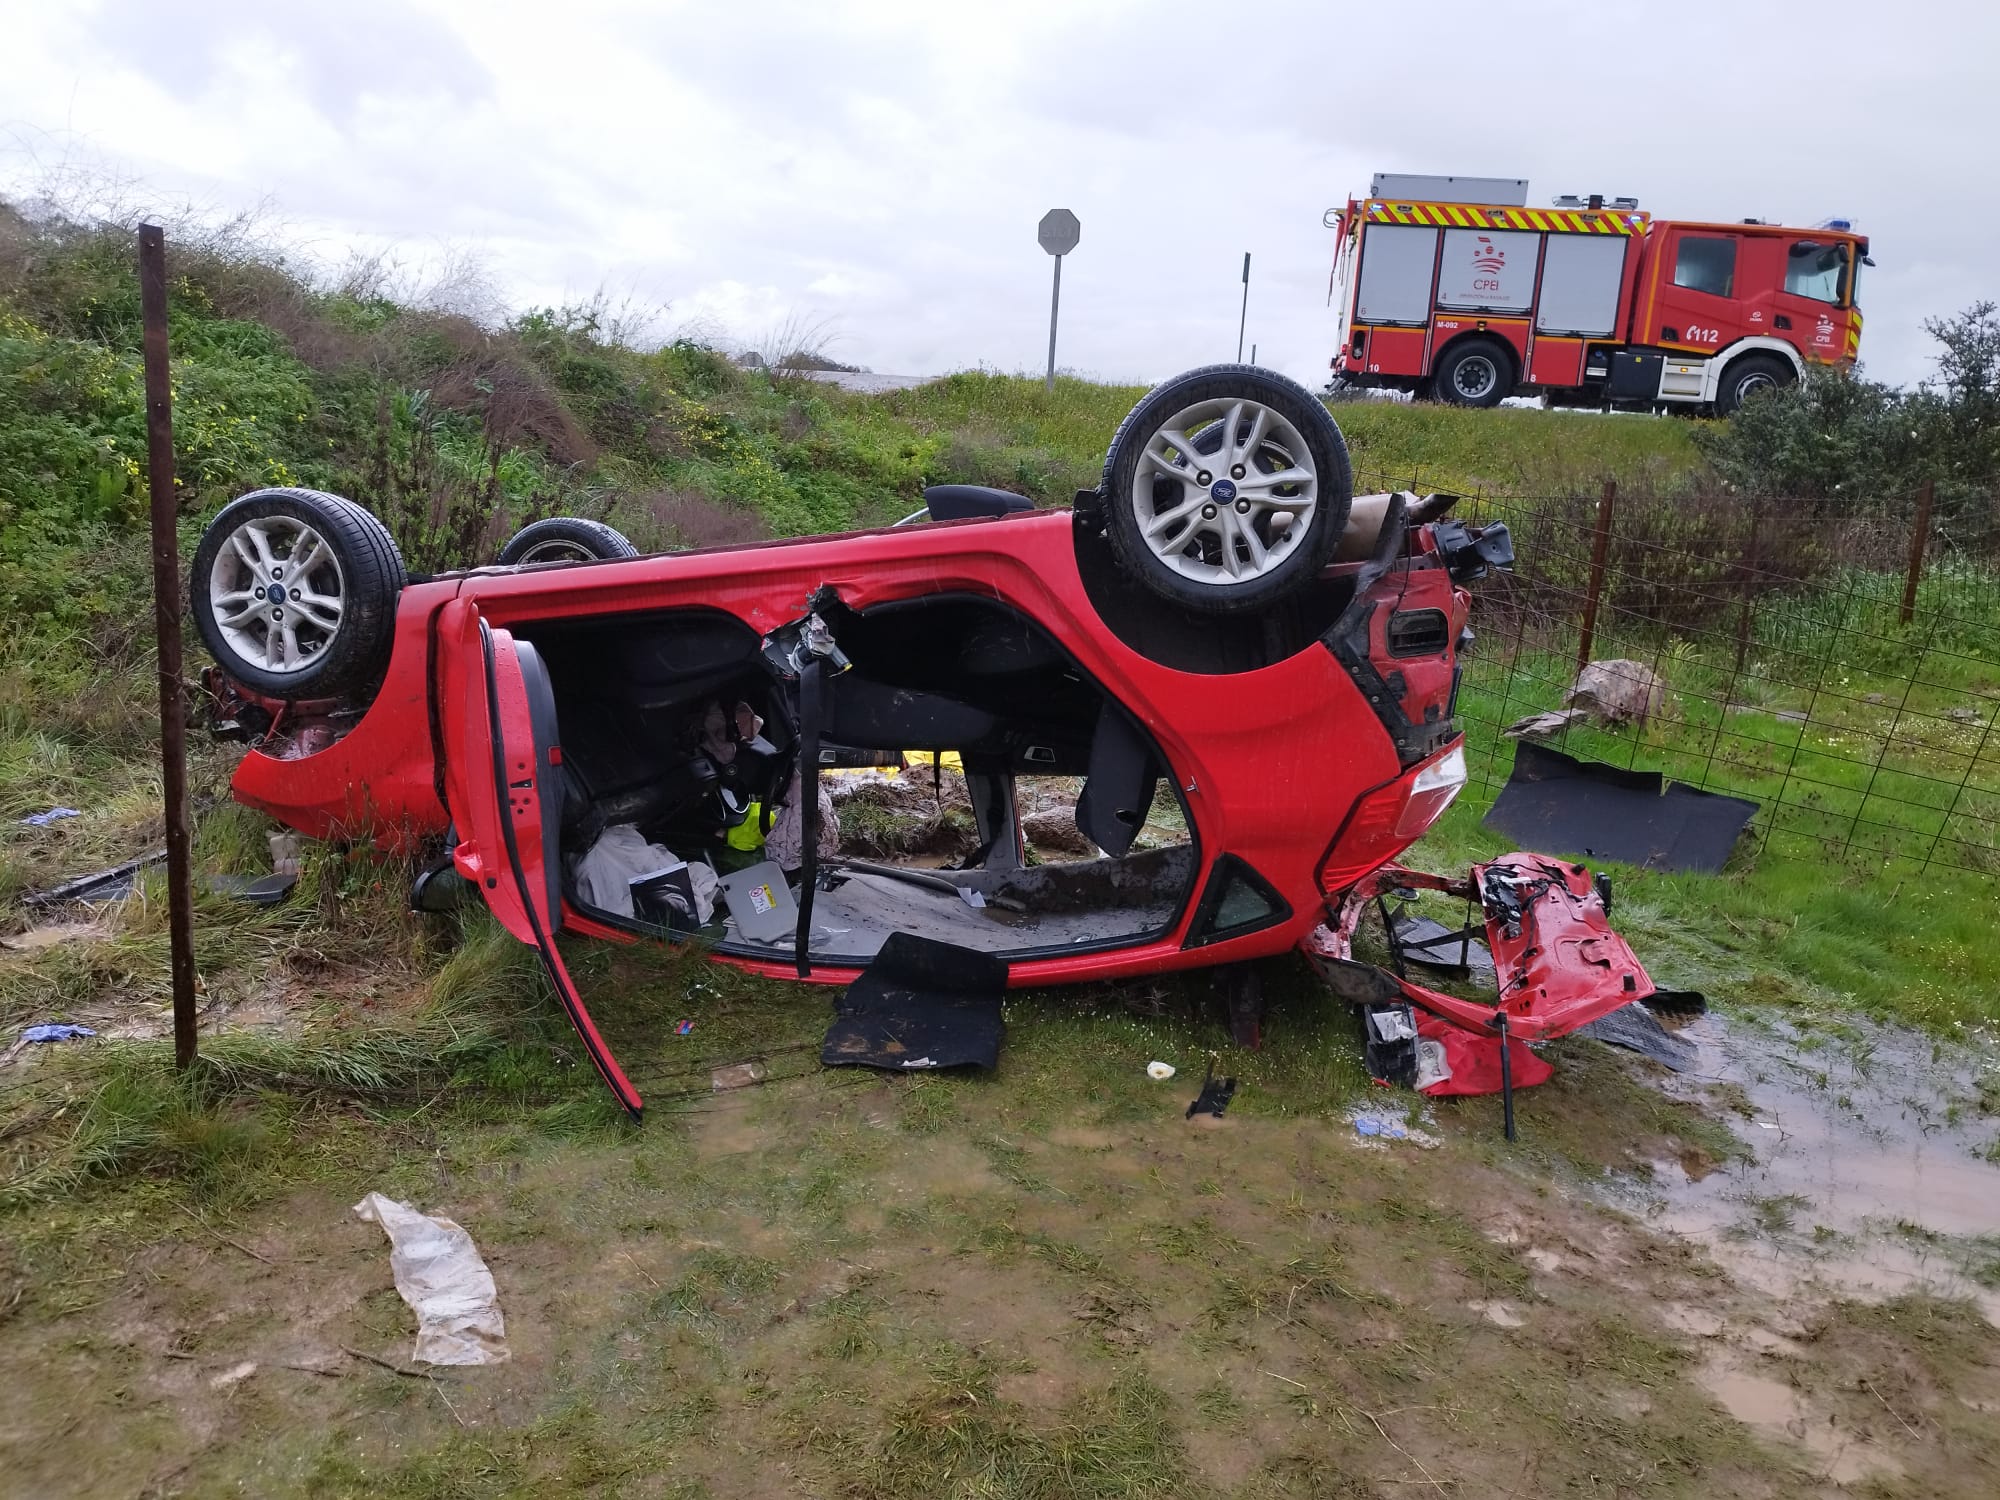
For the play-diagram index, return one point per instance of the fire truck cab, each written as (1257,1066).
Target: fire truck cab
(1454,288)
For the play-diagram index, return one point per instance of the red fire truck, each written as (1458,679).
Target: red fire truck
(1456,289)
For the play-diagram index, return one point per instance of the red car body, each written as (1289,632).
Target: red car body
(1311,770)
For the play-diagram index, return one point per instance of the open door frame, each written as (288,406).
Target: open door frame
(503,785)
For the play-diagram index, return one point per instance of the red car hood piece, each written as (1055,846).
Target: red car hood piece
(1557,962)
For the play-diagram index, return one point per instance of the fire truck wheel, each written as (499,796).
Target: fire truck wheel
(566,539)
(1226,488)
(294,593)
(1747,376)
(1474,372)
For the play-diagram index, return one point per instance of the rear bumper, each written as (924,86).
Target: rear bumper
(1557,963)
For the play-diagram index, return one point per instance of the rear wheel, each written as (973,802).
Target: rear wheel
(564,539)
(1226,489)
(1475,372)
(1749,375)
(294,593)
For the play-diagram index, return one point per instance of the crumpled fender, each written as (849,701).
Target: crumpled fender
(1558,963)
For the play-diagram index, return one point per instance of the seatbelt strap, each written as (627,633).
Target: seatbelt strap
(812,686)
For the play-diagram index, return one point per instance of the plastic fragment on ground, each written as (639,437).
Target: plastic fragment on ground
(439,1272)
(56,1031)
(1159,1072)
(53,815)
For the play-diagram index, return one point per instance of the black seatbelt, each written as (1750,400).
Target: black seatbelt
(812,684)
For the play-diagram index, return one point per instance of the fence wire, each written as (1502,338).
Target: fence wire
(1836,661)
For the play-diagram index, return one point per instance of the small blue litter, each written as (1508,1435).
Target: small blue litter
(1372,1125)
(683,1028)
(55,1031)
(53,815)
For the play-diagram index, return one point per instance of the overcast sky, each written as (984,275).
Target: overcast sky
(881,166)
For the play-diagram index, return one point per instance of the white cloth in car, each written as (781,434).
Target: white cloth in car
(786,844)
(622,855)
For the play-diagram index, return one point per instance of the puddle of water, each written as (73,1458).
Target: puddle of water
(1856,1165)
(1776,1410)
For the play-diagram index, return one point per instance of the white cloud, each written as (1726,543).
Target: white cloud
(885,163)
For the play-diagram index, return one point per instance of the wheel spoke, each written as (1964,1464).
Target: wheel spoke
(270,646)
(1254,481)
(1166,520)
(1225,533)
(290,635)
(243,608)
(1226,454)
(307,555)
(1173,469)
(1182,443)
(320,611)
(266,559)
(1259,558)
(1257,425)
(238,545)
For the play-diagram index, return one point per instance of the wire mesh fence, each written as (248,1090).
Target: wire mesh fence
(1836,661)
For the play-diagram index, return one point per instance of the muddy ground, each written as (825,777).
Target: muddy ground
(1768,1278)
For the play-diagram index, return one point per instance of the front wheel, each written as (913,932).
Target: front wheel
(1226,489)
(1748,375)
(1477,372)
(294,593)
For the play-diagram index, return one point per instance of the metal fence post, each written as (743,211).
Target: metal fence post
(1600,548)
(1743,600)
(1920,536)
(167,629)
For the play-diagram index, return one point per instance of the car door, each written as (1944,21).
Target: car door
(503,786)
(1697,301)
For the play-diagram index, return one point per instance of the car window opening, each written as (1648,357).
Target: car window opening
(1033,815)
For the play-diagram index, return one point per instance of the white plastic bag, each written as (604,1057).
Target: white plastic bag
(439,1273)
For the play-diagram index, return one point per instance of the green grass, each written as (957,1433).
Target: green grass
(1037,1284)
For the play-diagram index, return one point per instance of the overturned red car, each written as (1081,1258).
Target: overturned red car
(1239,676)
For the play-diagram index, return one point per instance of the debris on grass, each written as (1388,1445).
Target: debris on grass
(439,1273)
(53,815)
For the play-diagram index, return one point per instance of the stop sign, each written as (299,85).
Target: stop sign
(1059,231)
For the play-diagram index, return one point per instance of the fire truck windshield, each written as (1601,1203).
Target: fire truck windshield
(1817,271)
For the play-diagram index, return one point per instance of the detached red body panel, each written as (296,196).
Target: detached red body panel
(1557,963)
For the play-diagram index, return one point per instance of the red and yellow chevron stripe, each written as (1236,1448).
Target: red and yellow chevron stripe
(1483,216)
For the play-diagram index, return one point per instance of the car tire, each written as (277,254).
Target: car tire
(566,539)
(1218,539)
(1474,372)
(327,634)
(1748,375)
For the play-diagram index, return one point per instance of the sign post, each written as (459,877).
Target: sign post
(167,629)
(1245,316)
(1058,233)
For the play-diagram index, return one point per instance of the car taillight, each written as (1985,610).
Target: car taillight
(1392,817)
(1432,790)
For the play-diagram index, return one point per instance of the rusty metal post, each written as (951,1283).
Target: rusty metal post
(1600,548)
(167,630)
(1750,561)
(1920,537)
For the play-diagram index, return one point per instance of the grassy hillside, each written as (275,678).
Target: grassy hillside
(1045,1281)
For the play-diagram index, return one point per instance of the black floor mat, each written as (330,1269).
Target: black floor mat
(1636,1027)
(920,1004)
(1557,804)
